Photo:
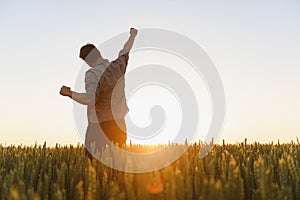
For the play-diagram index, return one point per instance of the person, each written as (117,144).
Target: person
(104,96)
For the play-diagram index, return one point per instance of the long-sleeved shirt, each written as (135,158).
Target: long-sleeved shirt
(105,87)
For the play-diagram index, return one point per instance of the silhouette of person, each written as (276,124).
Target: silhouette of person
(104,96)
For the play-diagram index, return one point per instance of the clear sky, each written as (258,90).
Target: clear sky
(255,46)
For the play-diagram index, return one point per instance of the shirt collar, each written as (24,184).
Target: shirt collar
(102,61)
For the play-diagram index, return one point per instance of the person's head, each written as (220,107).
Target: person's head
(90,54)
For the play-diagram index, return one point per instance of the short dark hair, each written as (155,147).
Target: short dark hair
(89,52)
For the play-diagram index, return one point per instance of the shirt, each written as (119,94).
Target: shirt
(105,88)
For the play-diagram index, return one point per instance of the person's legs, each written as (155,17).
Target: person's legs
(115,131)
(94,136)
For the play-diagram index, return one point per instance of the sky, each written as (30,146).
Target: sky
(253,44)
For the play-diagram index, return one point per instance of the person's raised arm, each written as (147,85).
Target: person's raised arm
(128,45)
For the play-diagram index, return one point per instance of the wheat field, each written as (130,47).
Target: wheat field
(229,171)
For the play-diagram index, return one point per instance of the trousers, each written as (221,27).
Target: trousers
(111,132)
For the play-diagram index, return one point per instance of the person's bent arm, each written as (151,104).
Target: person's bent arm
(81,98)
(128,45)
(78,97)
